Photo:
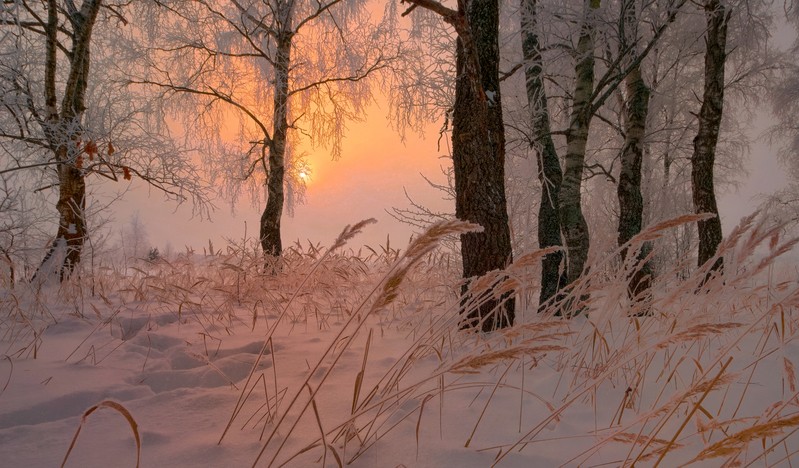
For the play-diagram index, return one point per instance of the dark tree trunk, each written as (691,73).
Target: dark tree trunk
(549,171)
(270,218)
(631,202)
(573,225)
(63,130)
(478,141)
(72,209)
(707,137)
(67,247)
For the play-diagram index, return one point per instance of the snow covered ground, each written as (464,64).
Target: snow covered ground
(357,359)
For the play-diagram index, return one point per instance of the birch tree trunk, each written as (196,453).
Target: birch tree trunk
(63,131)
(549,171)
(573,225)
(631,202)
(707,137)
(270,218)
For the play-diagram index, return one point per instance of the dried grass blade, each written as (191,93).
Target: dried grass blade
(262,379)
(790,373)
(336,456)
(10,373)
(319,423)
(115,406)
(419,422)
(359,378)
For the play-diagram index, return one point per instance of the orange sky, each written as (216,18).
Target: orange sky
(368,179)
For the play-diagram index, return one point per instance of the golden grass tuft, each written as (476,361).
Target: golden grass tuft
(738,441)
(436,233)
(698,332)
(470,364)
(630,438)
(349,232)
(657,230)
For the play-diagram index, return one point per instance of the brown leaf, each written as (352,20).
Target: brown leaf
(90,149)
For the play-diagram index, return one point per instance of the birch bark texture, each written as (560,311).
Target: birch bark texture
(63,129)
(271,242)
(636,110)
(574,226)
(550,175)
(707,137)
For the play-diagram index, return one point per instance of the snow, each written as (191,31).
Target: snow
(491,96)
(183,345)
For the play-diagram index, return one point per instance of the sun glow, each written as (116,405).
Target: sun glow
(302,169)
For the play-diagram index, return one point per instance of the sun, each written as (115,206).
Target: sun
(303,170)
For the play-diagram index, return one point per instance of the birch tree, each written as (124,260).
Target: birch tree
(575,229)
(282,68)
(64,120)
(549,172)
(707,136)
(61,126)
(597,76)
(589,96)
(636,111)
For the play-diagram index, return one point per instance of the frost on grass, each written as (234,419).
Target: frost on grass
(356,358)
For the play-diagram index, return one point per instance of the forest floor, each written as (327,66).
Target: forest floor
(356,359)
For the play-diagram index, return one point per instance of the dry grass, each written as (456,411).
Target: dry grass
(691,382)
(134,428)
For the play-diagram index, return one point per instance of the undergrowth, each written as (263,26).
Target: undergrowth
(700,371)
